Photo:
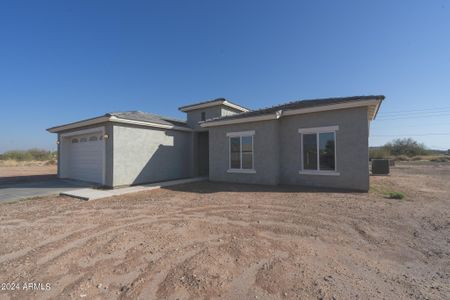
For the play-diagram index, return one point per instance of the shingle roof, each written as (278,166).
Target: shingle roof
(210,101)
(296,105)
(147,117)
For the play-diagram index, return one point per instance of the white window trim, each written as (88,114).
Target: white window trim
(240,135)
(243,171)
(317,131)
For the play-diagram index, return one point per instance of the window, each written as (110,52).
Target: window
(93,138)
(203,116)
(318,150)
(74,141)
(241,152)
(83,140)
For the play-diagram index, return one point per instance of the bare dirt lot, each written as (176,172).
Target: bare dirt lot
(210,240)
(13,171)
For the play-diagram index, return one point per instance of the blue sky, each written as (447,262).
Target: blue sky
(61,61)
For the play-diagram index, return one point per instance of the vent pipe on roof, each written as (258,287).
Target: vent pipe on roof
(279,113)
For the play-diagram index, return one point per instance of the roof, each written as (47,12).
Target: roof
(147,117)
(213,102)
(301,104)
(131,117)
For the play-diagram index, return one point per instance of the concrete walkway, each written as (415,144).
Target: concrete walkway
(92,194)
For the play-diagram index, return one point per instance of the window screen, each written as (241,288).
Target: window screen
(235,153)
(310,151)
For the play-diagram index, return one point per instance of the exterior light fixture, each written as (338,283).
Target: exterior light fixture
(105,136)
(57,142)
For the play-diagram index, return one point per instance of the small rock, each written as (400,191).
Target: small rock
(124,289)
(285,294)
(99,286)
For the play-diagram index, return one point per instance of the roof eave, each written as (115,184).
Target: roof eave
(188,108)
(110,118)
(375,102)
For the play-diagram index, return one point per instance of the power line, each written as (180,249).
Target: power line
(411,117)
(432,124)
(415,113)
(405,135)
(414,110)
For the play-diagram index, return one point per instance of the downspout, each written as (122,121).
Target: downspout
(278,115)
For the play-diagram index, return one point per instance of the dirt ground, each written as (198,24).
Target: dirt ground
(211,240)
(32,168)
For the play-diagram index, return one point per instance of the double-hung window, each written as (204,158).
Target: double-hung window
(318,150)
(241,152)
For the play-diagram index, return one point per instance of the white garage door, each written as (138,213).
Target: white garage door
(86,157)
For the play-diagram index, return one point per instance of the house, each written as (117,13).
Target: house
(319,142)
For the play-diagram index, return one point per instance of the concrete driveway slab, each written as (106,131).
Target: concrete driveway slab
(22,190)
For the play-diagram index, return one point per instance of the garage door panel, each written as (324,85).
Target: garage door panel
(86,160)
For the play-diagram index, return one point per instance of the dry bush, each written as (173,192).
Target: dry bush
(402,158)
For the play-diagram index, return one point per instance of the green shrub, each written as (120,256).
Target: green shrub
(407,146)
(396,195)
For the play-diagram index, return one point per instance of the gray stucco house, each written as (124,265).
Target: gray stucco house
(320,142)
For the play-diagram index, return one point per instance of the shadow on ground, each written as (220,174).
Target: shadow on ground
(28,178)
(208,187)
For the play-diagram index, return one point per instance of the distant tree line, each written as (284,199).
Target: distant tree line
(27,155)
(400,147)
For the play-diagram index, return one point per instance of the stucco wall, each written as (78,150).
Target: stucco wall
(194,116)
(277,156)
(143,154)
(351,149)
(228,111)
(266,152)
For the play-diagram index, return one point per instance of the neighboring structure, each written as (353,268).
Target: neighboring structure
(321,142)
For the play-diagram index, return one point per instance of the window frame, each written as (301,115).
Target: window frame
(317,131)
(203,116)
(240,135)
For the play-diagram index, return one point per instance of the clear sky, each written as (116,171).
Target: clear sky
(62,61)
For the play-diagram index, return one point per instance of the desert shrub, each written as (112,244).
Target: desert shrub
(402,158)
(26,155)
(415,158)
(407,146)
(396,195)
(439,159)
(51,162)
(379,153)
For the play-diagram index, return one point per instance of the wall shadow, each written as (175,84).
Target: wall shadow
(168,162)
(208,187)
